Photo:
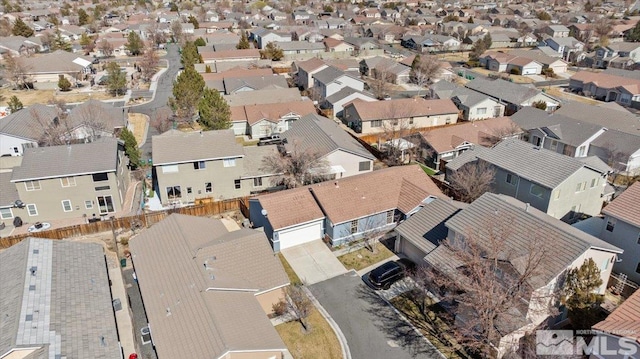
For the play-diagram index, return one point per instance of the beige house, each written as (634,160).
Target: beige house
(399,114)
(207,164)
(81,180)
(261,120)
(45,70)
(207,289)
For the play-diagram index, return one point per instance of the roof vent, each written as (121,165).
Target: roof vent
(526,207)
(33,270)
(168,311)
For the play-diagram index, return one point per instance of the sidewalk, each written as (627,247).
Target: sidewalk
(123,319)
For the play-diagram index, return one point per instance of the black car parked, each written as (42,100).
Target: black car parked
(388,273)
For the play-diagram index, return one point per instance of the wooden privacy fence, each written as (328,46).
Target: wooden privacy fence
(136,221)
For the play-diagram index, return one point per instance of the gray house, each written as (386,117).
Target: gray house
(25,128)
(209,164)
(74,181)
(55,301)
(566,189)
(514,96)
(331,80)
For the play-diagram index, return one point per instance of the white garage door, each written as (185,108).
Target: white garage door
(529,71)
(300,234)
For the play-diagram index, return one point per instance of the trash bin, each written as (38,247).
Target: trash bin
(123,262)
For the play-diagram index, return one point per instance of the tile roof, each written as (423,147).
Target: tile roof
(64,307)
(399,108)
(625,320)
(61,161)
(323,136)
(448,138)
(279,207)
(626,206)
(526,224)
(28,123)
(425,229)
(186,267)
(402,187)
(180,147)
(271,112)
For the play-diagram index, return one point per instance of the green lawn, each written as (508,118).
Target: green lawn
(428,170)
(362,258)
(320,343)
(293,277)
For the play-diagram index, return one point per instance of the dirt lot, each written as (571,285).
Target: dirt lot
(31,97)
(139,123)
(559,93)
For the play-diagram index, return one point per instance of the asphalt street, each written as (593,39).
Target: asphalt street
(373,330)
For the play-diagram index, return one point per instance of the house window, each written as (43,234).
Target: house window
(189,190)
(354,226)
(554,145)
(208,187)
(481,111)
(170,169)
(174,192)
(68,181)
(537,140)
(32,210)
(536,190)
(88,204)
(376,123)
(32,185)
(364,166)
(594,182)
(6,213)
(99,177)
(447,120)
(102,188)
(237,184)
(106,204)
(15,150)
(66,206)
(511,179)
(581,151)
(605,265)
(199,165)
(230,162)
(390,216)
(611,224)
(257,182)
(411,120)
(581,186)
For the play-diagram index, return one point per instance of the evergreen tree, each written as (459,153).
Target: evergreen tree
(243,44)
(187,92)
(116,79)
(63,83)
(130,147)
(200,42)
(173,7)
(634,34)
(21,29)
(579,294)
(487,41)
(15,104)
(87,42)
(134,44)
(190,55)
(83,17)
(214,111)
(207,69)
(59,42)
(470,21)
(272,52)
(193,21)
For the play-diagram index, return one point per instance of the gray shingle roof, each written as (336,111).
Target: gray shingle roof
(28,123)
(68,310)
(61,161)
(186,267)
(97,113)
(8,190)
(329,74)
(622,142)
(503,90)
(425,229)
(344,93)
(253,159)
(623,121)
(566,242)
(316,133)
(570,131)
(255,82)
(180,147)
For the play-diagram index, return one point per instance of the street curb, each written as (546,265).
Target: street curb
(346,354)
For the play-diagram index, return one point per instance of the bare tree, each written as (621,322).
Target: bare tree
(424,70)
(615,159)
(299,304)
(105,47)
(297,166)
(472,180)
(157,36)
(53,131)
(161,119)
(602,27)
(149,63)
(380,82)
(489,279)
(177,33)
(90,121)
(499,134)
(17,71)
(397,131)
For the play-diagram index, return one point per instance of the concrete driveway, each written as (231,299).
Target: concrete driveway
(313,262)
(372,328)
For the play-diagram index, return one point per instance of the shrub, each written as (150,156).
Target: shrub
(515,71)
(279,308)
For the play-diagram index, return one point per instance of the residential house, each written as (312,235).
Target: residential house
(333,45)
(619,331)
(421,235)
(47,68)
(568,189)
(79,180)
(306,70)
(385,68)
(556,30)
(261,120)
(399,114)
(217,285)
(92,120)
(502,62)
(472,105)
(331,80)
(618,54)
(569,47)
(430,43)
(216,80)
(207,164)
(300,47)
(215,57)
(558,66)
(20,45)
(40,279)
(438,146)
(607,87)
(234,85)
(362,44)
(609,115)
(25,128)
(344,155)
(264,36)
(338,100)
(264,96)
(514,96)
(342,210)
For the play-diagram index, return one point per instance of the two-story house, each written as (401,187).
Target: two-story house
(618,54)
(567,46)
(399,114)
(261,120)
(556,30)
(331,80)
(264,36)
(74,181)
(306,70)
(25,128)
(207,164)
(561,186)
(472,105)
